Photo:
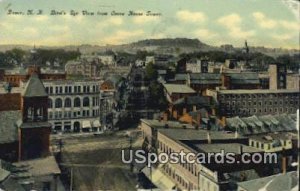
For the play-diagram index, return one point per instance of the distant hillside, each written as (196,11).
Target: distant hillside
(177,42)
(161,46)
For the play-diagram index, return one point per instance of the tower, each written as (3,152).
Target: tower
(34,129)
(277,73)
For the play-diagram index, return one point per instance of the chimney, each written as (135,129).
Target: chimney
(213,111)
(283,164)
(175,114)
(198,118)
(184,111)
(194,108)
(236,135)
(241,149)
(208,137)
(165,117)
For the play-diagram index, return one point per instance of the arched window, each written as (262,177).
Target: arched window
(77,102)
(58,103)
(86,102)
(50,103)
(68,102)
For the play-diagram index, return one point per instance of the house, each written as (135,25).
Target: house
(174,92)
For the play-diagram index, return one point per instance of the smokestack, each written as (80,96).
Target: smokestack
(236,135)
(165,117)
(208,137)
(283,164)
(194,108)
(241,149)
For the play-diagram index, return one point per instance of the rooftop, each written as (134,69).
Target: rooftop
(8,128)
(194,100)
(41,166)
(262,124)
(178,88)
(34,87)
(228,148)
(278,182)
(194,134)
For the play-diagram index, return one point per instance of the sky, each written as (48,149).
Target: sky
(269,23)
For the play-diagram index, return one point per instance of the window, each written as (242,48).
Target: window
(50,103)
(66,89)
(86,102)
(68,102)
(58,103)
(77,102)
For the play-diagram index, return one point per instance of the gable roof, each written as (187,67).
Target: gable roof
(34,87)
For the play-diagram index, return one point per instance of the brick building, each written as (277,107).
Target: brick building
(16,78)
(167,137)
(25,131)
(255,102)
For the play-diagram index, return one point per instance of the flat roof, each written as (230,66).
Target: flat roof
(227,147)
(178,88)
(41,166)
(197,134)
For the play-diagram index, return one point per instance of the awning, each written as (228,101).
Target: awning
(96,123)
(159,179)
(86,124)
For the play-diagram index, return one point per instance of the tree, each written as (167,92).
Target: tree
(151,72)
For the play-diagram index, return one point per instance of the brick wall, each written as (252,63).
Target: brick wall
(10,101)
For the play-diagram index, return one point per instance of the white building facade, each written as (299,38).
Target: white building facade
(74,105)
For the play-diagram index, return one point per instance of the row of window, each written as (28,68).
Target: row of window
(72,89)
(189,167)
(85,102)
(261,103)
(257,111)
(268,96)
(75,114)
(260,145)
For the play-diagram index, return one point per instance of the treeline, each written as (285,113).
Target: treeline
(40,57)
(12,57)
(60,56)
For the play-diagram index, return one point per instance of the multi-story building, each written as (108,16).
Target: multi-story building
(173,137)
(277,73)
(255,102)
(74,105)
(83,67)
(197,66)
(16,77)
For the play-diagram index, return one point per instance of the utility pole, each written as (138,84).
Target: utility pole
(71,180)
